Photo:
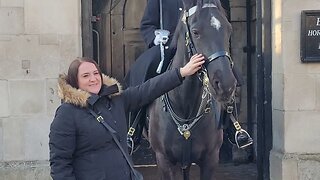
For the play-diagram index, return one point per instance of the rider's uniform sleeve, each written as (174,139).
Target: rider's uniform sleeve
(150,22)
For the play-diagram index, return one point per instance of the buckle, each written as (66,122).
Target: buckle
(100,119)
(131,131)
(229,109)
(237,126)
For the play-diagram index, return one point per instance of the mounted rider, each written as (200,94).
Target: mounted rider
(157,28)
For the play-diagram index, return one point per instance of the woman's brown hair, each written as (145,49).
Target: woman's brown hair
(72,76)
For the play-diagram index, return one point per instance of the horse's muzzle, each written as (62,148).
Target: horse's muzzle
(224,92)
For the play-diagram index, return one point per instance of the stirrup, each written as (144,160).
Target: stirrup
(242,138)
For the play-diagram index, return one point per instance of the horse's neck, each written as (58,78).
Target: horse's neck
(186,98)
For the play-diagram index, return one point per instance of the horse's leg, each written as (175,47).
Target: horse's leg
(207,170)
(167,170)
(186,173)
(208,165)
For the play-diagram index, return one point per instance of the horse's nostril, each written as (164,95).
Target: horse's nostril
(216,84)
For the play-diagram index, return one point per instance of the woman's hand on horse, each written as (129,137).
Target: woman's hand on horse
(192,66)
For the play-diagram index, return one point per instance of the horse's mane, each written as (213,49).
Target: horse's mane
(199,3)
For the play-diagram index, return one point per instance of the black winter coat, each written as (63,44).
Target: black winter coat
(80,147)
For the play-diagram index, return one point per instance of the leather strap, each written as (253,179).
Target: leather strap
(100,119)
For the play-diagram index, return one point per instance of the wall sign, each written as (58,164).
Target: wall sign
(310,36)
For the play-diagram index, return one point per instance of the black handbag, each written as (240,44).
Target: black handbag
(135,175)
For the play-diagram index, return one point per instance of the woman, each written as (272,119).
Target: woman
(80,147)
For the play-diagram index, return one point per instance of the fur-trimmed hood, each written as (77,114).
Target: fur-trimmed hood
(78,97)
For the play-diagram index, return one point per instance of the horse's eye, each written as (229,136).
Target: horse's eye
(195,33)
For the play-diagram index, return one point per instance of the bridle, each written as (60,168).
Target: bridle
(184,125)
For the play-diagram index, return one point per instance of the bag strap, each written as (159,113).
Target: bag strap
(100,119)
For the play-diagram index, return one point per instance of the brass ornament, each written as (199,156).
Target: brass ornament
(186,134)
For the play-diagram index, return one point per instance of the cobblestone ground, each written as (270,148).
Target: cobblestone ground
(225,172)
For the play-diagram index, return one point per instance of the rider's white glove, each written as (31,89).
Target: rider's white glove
(162,36)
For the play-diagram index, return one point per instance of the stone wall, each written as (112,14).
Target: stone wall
(38,39)
(296,97)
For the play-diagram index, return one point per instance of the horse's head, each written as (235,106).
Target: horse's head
(208,32)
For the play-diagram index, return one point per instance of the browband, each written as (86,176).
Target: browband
(192,10)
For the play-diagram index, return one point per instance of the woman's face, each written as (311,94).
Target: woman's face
(89,78)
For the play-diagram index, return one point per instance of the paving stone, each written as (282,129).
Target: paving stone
(227,171)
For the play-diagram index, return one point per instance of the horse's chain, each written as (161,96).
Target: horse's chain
(184,129)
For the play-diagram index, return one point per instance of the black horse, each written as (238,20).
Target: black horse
(183,124)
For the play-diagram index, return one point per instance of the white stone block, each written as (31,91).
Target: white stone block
(291,50)
(277,91)
(4,97)
(313,68)
(1,141)
(36,138)
(70,48)
(283,166)
(318,93)
(301,132)
(13,141)
(277,59)
(11,20)
(278,130)
(5,38)
(50,17)
(47,65)
(53,101)
(275,166)
(27,170)
(299,92)
(11,65)
(27,97)
(49,39)
(309,169)
(290,169)
(12,3)
(44,60)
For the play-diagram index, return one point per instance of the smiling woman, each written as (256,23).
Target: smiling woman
(80,147)
(89,78)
